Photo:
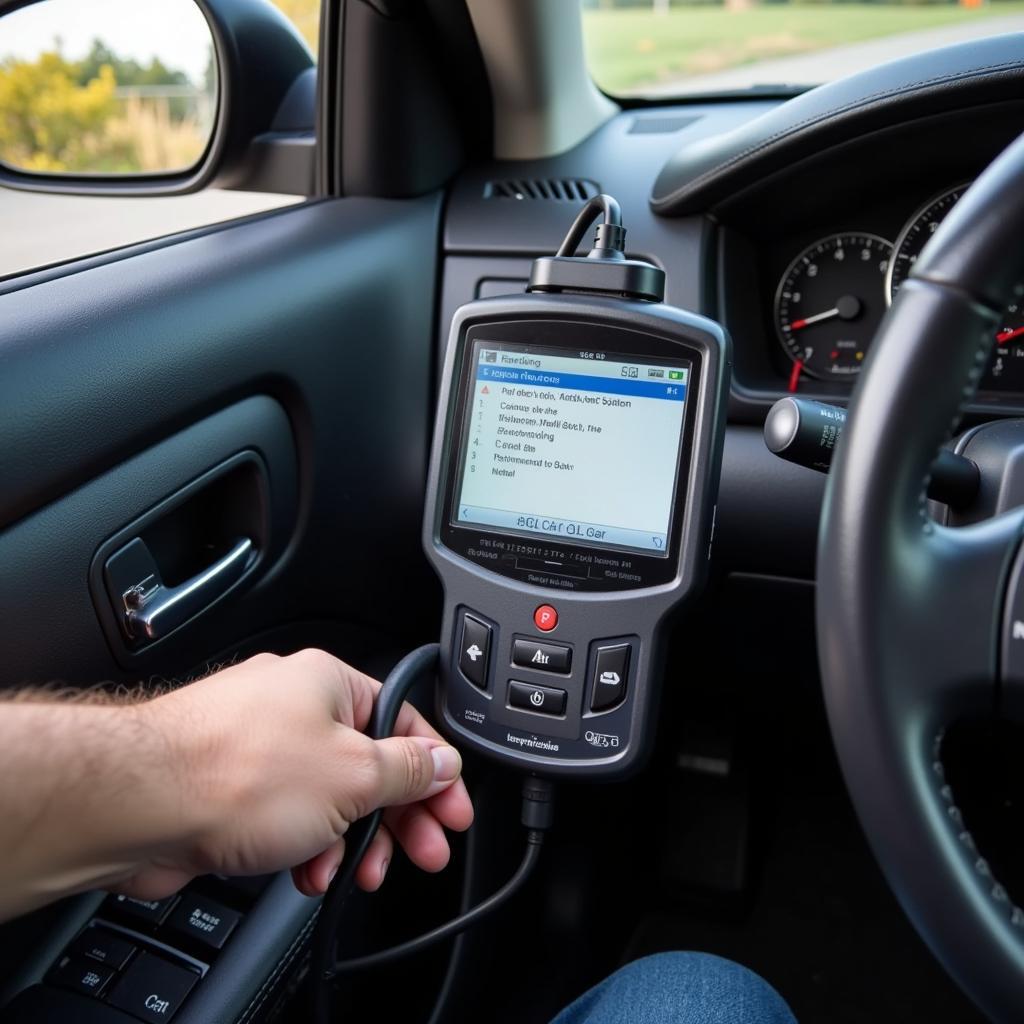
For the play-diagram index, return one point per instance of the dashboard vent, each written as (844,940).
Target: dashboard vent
(563,190)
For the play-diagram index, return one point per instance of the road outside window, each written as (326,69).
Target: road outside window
(668,48)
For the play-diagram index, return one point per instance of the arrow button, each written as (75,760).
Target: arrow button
(611,666)
(474,648)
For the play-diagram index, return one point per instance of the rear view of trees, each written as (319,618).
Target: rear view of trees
(100,114)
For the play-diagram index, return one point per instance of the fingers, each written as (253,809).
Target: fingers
(356,692)
(410,768)
(452,807)
(374,865)
(420,835)
(155,882)
(301,880)
(314,876)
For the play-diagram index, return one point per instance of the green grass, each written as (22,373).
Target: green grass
(630,49)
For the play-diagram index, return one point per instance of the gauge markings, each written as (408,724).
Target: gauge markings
(915,235)
(1006,368)
(829,303)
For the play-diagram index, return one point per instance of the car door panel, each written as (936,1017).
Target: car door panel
(304,336)
(246,976)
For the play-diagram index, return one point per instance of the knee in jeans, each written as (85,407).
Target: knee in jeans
(695,987)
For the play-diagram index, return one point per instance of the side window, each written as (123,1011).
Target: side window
(123,96)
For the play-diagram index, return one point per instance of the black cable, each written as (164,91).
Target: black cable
(611,234)
(444,994)
(389,701)
(536,815)
(534,841)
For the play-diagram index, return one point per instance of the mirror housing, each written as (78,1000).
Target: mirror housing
(263,137)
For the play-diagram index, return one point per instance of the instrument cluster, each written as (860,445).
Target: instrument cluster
(832,296)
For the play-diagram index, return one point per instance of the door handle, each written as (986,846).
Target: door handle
(152,610)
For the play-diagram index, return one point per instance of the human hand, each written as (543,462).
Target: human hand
(274,767)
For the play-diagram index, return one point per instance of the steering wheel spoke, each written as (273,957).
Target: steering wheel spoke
(955,612)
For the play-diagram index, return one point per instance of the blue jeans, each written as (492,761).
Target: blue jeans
(679,988)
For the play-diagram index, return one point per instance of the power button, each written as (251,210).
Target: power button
(545,618)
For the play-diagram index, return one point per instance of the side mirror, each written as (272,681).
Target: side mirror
(154,97)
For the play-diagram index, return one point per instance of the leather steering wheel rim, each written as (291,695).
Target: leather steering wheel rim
(910,612)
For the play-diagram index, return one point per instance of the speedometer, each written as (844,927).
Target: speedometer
(1006,368)
(830,302)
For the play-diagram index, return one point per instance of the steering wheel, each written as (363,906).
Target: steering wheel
(915,619)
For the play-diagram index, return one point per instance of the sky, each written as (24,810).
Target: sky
(173,30)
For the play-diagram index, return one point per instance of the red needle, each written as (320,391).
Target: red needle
(794,376)
(818,317)
(1010,332)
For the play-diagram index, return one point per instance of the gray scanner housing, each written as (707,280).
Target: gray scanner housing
(578,742)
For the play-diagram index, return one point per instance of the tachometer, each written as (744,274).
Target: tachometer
(1006,368)
(915,236)
(830,302)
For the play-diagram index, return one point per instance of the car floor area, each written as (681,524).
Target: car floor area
(764,864)
(737,840)
(819,922)
(822,927)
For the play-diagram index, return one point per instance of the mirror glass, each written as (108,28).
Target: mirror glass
(106,87)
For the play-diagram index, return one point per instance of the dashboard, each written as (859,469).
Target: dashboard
(810,262)
(828,301)
(732,199)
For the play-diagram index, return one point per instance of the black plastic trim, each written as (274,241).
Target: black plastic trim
(700,176)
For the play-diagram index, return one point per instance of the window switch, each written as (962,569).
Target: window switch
(148,913)
(104,947)
(82,976)
(203,922)
(152,989)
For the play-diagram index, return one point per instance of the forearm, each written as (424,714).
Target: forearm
(260,767)
(87,793)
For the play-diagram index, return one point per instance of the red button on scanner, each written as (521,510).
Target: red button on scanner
(545,618)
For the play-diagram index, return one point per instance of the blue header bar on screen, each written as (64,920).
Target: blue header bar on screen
(673,392)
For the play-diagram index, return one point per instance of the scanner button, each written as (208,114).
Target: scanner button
(609,684)
(474,650)
(538,655)
(543,699)
(545,618)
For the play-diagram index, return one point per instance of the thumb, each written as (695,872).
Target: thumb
(412,768)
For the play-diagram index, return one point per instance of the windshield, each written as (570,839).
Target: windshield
(662,48)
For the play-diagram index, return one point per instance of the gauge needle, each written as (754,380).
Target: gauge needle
(847,307)
(806,321)
(794,376)
(1010,332)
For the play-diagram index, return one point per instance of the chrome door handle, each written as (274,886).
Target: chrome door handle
(152,610)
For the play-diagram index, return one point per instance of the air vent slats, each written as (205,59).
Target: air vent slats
(561,190)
